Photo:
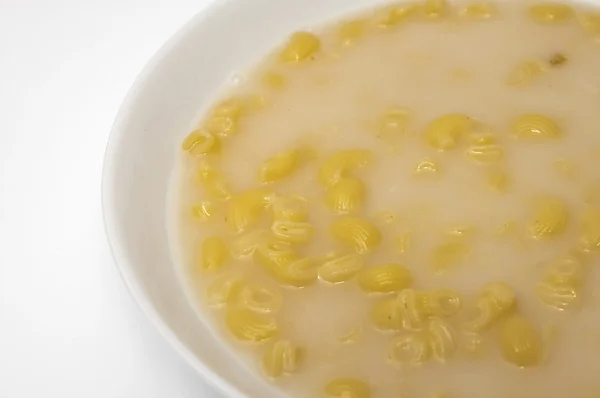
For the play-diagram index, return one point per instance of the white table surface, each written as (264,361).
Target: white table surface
(68,327)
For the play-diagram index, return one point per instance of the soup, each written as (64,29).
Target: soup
(405,203)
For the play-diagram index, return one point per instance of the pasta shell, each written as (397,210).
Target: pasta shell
(341,269)
(244,246)
(250,326)
(341,163)
(281,358)
(261,299)
(479,11)
(200,142)
(549,13)
(387,278)
(300,47)
(213,182)
(445,132)
(520,342)
(537,127)
(213,254)
(245,209)
(347,388)
(411,349)
(556,295)
(549,219)
(441,339)
(223,288)
(292,231)
(278,167)
(346,196)
(356,233)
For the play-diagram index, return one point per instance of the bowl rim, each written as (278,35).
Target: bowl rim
(110,218)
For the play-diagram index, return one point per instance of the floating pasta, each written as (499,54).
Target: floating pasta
(485,149)
(283,357)
(557,295)
(213,254)
(341,269)
(450,254)
(445,132)
(434,9)
(495,300)
(427,168)
(534,126)
(243,246)
(260,299)
(341,163)
(392,126)
(413,309)
(351,31)
(247,325)
(347,388)
(566,270)
(200,142)
(346,196)
(290,208)
(443,302)
(293,231)
(245,209)
(280,166)
(550,217)
(497,181)
(356,233)
(274,253)
(387,315)
(223,288)
(223,126)
(442,342)
(203,210)
(520,342)
(394,15)
(300,47)
(284,264)
(213,182)
(590,229)
(274,80)
(525,73)
(386,278)
(410,349)
(479,11)
(231,107)
(549,13)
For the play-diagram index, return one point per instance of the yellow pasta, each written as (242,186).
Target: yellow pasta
(590,22)
(243,246)
(300,47)
(525,73)
(410,349)
(200,142)
(392,126)
(590,229)
(396,14)
(280,166)
(387,315)
(427,168)
(445,132)
(223,288)
(203,210)
(231,107)
(557,295)
(245,209)
(274,253)
(550,217)
(293,231)
(434,9)
(450,254)
(485,149)
(413,309)
(347,388)
(566,270)
(386,278)
(213,182)
(341,269)
(260,299)
(443,302)
(520,342)
(441,338)
(496,299)
(345,196)
(214,253)
(283,357)
(223,126)
(274,80)
(341,163)
(290,208)
(548,13)
(250,326)
(535,127)
(356,233)
(479,11)
(351,31)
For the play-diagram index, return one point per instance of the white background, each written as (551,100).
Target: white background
(68,327)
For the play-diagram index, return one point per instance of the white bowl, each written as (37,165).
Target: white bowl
(181,80)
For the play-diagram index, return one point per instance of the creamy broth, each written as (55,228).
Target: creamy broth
(505,189)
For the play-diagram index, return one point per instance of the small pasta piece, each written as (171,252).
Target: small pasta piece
(300,47)
(243,247)
(413,308)
(293,231)
(387,315)
(394,15)
(356,233)
(442,342)
(550,13)
(497,181)
(590,229)
(549,219)
(443,303)
(485,149)
(223,288)
(203,210)
(290,208)
(341,269)
(566,270)
(341,163)
(283,357)
(427,168)
(214,253)
(386,278)
(200,142)
(231,107)
(245,209)
(278,167)
(392,126)
(274,253)
(496,299)
(213,182)
(445,132)
(250,326)
(479,11)
(525,73)
(411,350)
(347,388)
(274,80)
(351,31)
(345,196)
(556,295)
(520,342)
(222,126)
(434,9)
(535,127)
(449,255)
(261,299)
